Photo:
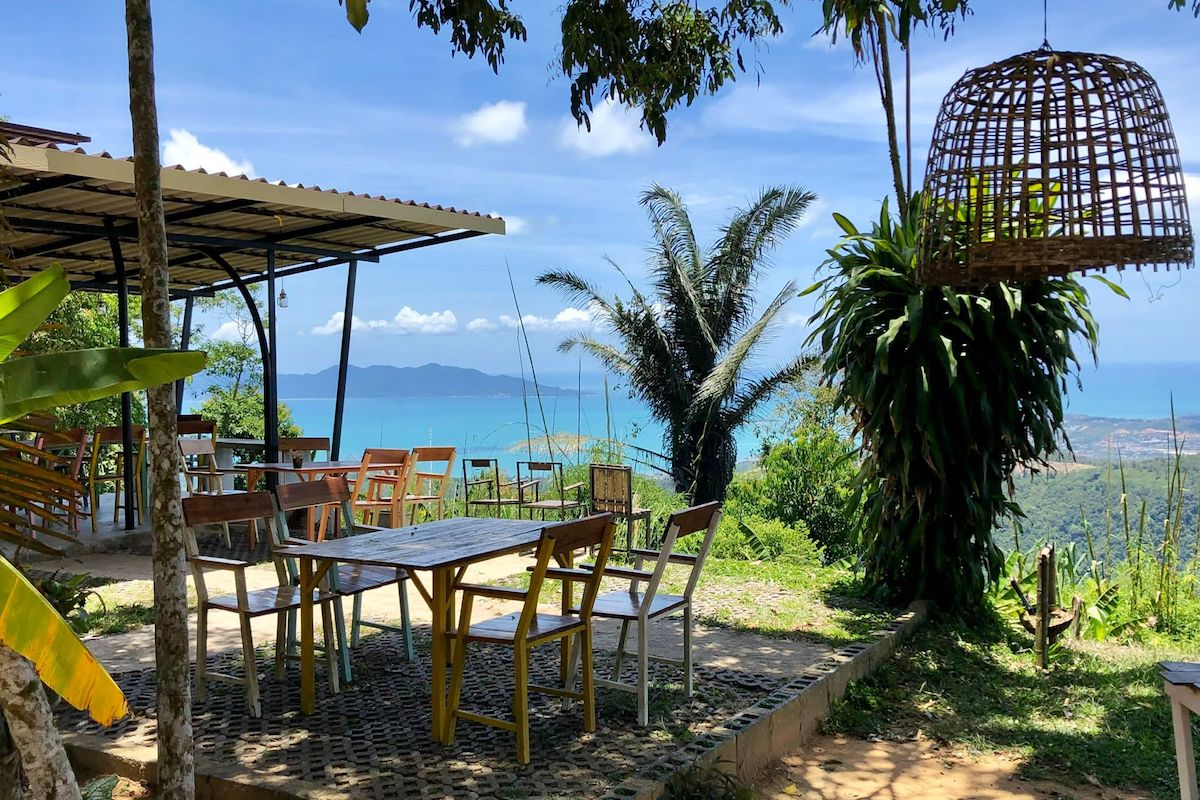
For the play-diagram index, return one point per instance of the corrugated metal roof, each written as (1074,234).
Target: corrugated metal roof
(61,204)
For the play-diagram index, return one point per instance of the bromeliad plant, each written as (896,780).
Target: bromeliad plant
(951,391)
(33,635)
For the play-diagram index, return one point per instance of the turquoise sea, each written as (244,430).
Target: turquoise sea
(495,426)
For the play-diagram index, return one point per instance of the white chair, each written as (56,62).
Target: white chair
(648,605)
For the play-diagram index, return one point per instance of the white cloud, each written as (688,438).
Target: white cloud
(615,129)
(228,332)
(481,325)
(492,123)
(405,322)
(184,149)
(567,319)
(513,224)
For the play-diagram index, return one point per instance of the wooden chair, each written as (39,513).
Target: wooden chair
(302,444)
(610,488)
(527,629)
(107,437)
(485,472)
(379,491)
(429,479)
(347,580)
(535,472)
(195,426)
(68,447)
(282,600)
(202,476)
(643,607)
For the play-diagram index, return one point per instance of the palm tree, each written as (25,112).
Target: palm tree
(686,348)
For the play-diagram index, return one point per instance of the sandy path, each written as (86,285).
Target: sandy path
(855,769)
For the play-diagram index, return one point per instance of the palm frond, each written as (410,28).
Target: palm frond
(722,381)
(747,400)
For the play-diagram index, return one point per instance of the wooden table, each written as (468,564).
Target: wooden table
(445,548)
(1181,682)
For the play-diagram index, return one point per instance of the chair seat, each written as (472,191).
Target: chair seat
(418,498)
(353,578)
(552,504)
(266,601)
(623,605)
(504,629)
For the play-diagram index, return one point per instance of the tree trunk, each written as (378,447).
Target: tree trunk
(174,702)
(888,98)
(31,726)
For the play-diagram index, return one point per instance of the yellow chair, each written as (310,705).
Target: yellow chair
(108,437)
(528,628)
(379,490)
(430,478)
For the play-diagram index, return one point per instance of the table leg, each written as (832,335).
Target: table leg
(441,601)
(308,680)
(1185,755)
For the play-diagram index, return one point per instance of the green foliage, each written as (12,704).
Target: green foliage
(685,349)
(85,320)
(234,398)
(806,478)
(69,597)
(705,782)
(953,391)
(100,789)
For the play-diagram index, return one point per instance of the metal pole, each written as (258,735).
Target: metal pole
(339,404)
(127,459)
(185,339)
(270,388)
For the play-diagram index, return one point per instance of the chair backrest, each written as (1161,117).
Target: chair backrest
(610,487)
(334,491)
(303,444)
(481,472)
(558,542)
(114,435)
(532,473)
(68,445)
(217,509)
(375,456)
(705,517)
(431,468)
(188,417)
(187,426)
(194,448)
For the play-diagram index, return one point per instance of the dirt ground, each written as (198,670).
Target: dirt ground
(849,769)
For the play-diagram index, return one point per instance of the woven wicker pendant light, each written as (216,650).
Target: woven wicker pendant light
(1048,163)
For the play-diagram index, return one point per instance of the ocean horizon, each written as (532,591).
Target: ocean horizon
(497,427)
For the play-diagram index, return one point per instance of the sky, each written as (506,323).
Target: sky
(287,90)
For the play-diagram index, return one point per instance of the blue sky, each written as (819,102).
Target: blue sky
(285,89)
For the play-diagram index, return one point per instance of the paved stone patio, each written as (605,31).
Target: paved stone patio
(372,740)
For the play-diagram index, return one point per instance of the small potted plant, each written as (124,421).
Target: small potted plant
(297,458)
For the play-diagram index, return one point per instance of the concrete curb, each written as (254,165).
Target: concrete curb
(782,721)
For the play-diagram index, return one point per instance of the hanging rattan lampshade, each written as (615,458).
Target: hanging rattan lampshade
(1048,163)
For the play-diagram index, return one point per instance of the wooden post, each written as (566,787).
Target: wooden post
(1041,640)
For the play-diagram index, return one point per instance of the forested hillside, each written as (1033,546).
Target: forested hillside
(1056,504)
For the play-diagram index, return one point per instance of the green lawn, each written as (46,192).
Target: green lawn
(123,606)
(1098,714)
(774,599)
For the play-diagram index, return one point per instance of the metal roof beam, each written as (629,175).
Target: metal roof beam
(43,185)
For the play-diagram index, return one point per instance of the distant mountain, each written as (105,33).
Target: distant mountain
(430,380)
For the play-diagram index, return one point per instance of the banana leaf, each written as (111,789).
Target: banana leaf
(79,376)
(25,306)
(30,626)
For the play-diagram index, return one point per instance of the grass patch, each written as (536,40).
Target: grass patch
(122,606)
(777,599)
(1098,713)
